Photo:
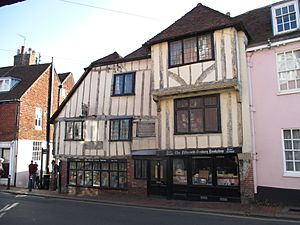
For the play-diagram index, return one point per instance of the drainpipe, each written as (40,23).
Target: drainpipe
(49,112)
(252,111)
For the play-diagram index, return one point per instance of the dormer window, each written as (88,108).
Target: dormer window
(7,83)
(285,17)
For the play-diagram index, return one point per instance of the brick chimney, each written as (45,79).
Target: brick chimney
(25,58)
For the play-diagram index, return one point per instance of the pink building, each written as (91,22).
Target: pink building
(274,73)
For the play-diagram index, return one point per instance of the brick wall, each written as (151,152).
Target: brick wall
(8,121)
(68,84)
(246,178)
(37,96)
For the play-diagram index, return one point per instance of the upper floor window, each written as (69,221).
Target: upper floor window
(285,17)
(190,50)
(288,67)
(120,129)
(74,130)
(198,115)
(7,83)
(38,118)
(291,144)
(124,84)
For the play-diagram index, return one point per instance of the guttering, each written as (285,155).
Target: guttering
(10,100)
(272,44)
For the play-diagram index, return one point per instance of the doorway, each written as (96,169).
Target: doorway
(157,181)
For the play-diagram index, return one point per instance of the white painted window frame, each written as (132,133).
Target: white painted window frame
(288,91)
(36,150)
(38,118)
(288,173)
(275,28)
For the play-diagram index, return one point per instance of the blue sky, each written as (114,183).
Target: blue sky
(77,34)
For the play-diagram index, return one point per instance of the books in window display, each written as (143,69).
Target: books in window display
(227,180)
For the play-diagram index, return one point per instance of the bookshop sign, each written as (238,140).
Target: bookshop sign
(206,151)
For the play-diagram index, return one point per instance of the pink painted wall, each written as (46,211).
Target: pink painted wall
(273,112)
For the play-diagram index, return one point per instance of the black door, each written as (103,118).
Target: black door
(157,180)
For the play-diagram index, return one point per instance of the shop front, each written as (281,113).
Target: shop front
(198,174)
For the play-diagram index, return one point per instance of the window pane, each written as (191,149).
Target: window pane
(77,130)
(288,155)
(202,171)
(182,103)
(69,130)
(297,165)
(297,155)
(104,179)
(289,166)
(80,166)
(296,144)
(114,179)
(296,134)
(211,119)
(118,87)
(113,166)
(182,121)
(124,129)
(205,47)
(288,144)
(196,120)
(179,171)
(96,178)
(196,102)
(287,134)
(123,180)
(88,165)
(72,177)
(227,170)
(96,165)
(210,101)
(88,178)
(190,50)
(128,84)
(73,165)
(114,135)
(175,53)
(122,167)
(80,180)
(104,166)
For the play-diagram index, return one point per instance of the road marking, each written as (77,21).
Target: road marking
(9,207)
(4,208)
(2,214)
(21,196)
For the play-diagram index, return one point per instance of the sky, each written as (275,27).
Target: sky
(77,32)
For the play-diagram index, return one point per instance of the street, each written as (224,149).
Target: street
(23,210)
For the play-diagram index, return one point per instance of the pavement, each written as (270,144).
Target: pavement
(252,210)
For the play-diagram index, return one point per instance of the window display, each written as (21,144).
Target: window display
(202,171)
(227,170)
(179,171)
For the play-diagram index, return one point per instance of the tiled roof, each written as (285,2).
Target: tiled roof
(63,76)
(109,59)
(258,24)
(9,2)
(141,53)
(199,20)
(27,76)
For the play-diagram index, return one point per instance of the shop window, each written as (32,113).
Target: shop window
(110,174)
(202,171)
(227,170)
(179,171)
(140,169)
(197,115)
(158,171)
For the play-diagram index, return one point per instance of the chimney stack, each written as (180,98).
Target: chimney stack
(24,58)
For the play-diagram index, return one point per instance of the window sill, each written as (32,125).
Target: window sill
(38,128)
(291,174)
(120,95)
(200,134)
(297,91)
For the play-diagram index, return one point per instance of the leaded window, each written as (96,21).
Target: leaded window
(190,50)
(124,84)
(120,129)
